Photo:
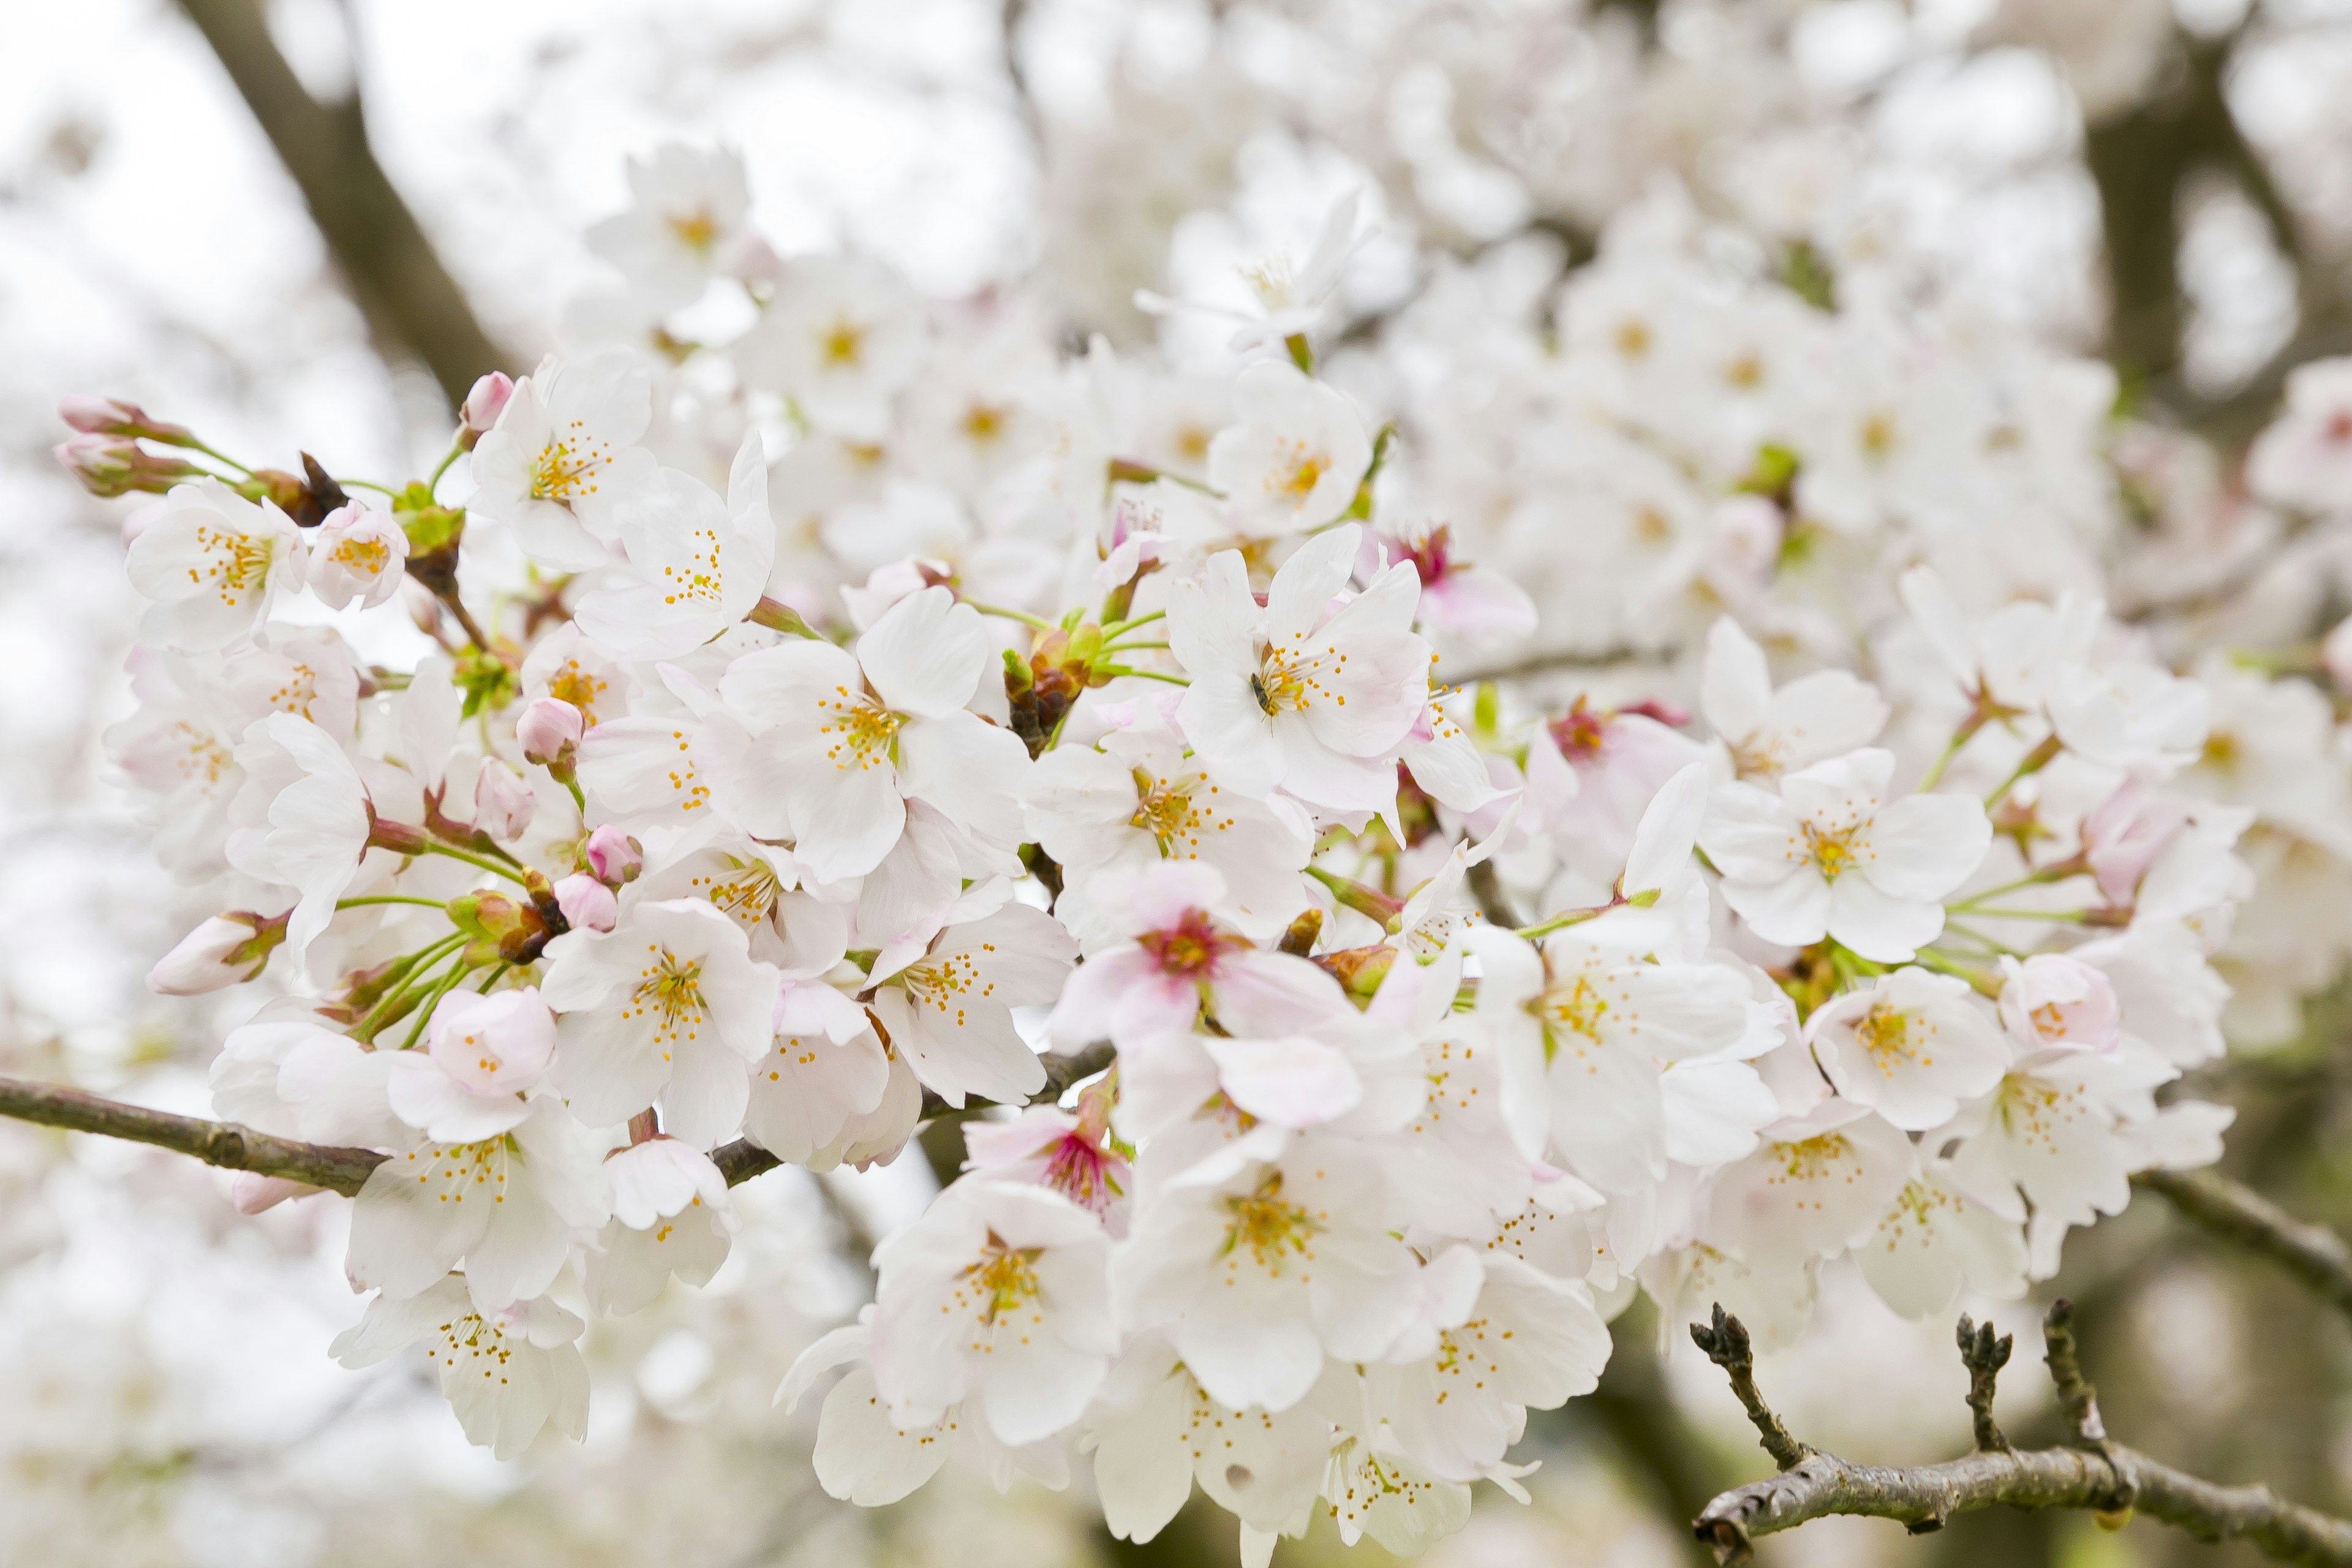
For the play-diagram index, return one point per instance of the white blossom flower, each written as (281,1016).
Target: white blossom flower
(1298,695)
(301,819)
(1769,731)
(841,339)
(668,1006)
(839,743)
(564,459)
(211,562)
(484,1054)
(700,564)
(997,1296)
(1911,1047)
(671,1215)
(508,1373)
(685,224)
(1831,855)
(1934,1241)
(1158,1431)
(1814,1188)
(948,1011)
(355,554)
(1295,454)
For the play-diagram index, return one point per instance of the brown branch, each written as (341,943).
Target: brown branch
(2312,1253)
(2098,1475)
(222,1143)
(345,1170)
(398,279)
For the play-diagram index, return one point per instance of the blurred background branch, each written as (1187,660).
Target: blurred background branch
(412,303)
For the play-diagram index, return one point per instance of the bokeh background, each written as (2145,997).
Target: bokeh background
(2164,183)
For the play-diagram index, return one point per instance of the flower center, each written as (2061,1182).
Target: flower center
(1580,1008)
(984,422)
(365,556)
(234,563)
(1886,1034)
(948,983)
(1189,947)
(697,231)
(863,731)
(575,685)
(671,991)
(1815,1159)
(1831,849)
(1003,1280)
(843,346)
(1271,1230)
(564,473)
(1291,678)
(1165,811)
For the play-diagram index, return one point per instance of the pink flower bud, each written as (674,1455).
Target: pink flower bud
(614,857)
(2126,834)
(115,465)
(224,950)
(253,1193)
(498,1044)
(549,729)
(2055,1003)
(355,553)
(483,405)
(503,803)
(587,904)
(112,417)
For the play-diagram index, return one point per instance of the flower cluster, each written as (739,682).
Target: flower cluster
(1129,711)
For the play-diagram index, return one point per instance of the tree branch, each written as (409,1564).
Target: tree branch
(2312,1253)
(394,273)
(222,1143)
(2094,1473)
(345,1170)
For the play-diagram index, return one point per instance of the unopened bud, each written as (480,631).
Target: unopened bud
(224,950)
(115,465)
(613,857)
(501,929)
(253,1193)
(587,904)
(503,803)
(112,417)
(549,729)
(482,407)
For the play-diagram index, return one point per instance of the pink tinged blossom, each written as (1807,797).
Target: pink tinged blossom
(1070,1154)
(483,1055)
(2304,459)
(485,401)
(2128,834)
(2052,1001)
(587,903)
(1177,959)
(503,803)
(1911,1047)
(1477,606)
(224,950)
(112,465)
(613,857)
(356,555)
(948,1011)
(1830,855)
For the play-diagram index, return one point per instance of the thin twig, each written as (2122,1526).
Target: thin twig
(2097,1475)
(1725,1344)
(2312,1253)
(1984,1356)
